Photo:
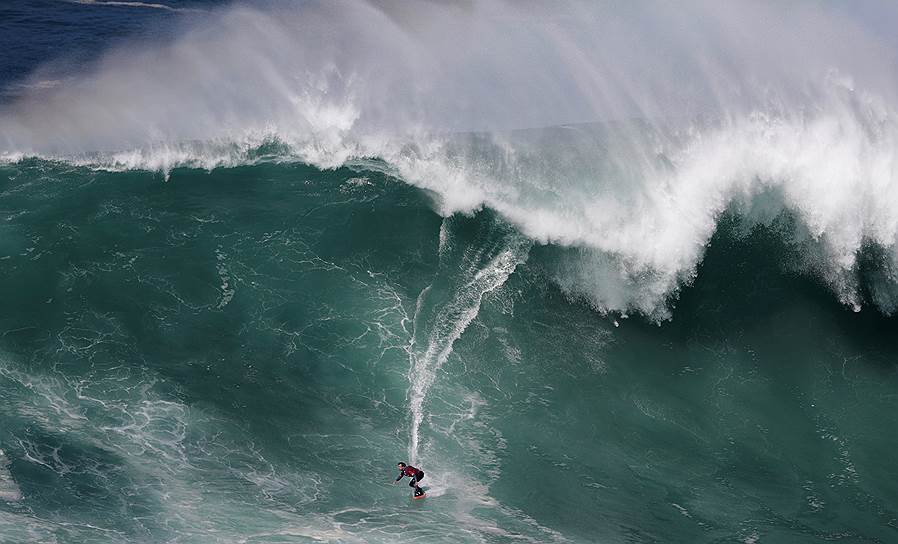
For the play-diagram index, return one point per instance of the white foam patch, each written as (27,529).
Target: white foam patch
(168,451)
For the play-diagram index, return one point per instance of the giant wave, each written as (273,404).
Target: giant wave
(621,132)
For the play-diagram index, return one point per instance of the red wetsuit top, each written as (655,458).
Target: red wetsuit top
(409,471)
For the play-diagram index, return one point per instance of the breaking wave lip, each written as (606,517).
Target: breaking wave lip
(639,200)
(640,224)
(639,232)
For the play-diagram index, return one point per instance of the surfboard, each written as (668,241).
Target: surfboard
(421,496)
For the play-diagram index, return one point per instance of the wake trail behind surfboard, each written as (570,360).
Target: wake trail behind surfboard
(440,324)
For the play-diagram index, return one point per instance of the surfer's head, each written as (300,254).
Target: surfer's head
(400,465)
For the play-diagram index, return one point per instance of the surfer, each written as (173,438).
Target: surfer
(416,474)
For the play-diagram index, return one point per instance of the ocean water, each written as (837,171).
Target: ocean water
(606,274)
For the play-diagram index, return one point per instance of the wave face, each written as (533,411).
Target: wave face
(690,110)
(243,355)
(251,257)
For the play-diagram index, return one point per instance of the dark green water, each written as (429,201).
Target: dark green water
(225,356)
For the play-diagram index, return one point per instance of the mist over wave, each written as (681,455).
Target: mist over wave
(620,132)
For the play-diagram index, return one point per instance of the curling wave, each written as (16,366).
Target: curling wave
(641,150)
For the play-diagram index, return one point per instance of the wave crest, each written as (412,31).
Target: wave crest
(673,136)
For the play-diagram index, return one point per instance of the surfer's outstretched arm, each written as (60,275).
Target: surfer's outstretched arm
(400,476)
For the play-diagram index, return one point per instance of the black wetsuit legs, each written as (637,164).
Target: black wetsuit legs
(414,482)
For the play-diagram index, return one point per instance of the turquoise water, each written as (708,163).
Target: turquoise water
(225,356)
(606,272)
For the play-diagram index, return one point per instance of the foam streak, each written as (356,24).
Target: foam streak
(452,318)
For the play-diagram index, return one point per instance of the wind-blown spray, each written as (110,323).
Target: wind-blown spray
(664,115)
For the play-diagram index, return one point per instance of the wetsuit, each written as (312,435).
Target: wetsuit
(415,474)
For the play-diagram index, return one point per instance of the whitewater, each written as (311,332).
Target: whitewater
(607,272)
(681,133)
